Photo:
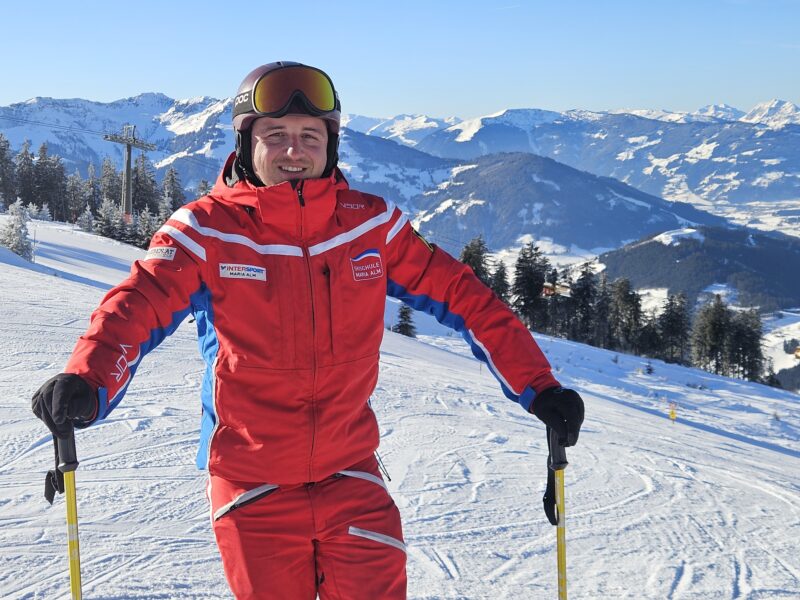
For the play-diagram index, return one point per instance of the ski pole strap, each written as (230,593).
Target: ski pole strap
(66,460)
(54,479)
(556,460)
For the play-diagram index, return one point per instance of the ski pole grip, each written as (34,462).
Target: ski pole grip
(67,455)
(558,454)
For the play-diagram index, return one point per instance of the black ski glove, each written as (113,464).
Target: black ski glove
(63,400)
(561,409)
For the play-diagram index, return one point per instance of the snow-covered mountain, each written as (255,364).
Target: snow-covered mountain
(714,164)
(723,112)
(404,129)
(388,169)
(194,135)
(707,507)
(775,114)
(511,198)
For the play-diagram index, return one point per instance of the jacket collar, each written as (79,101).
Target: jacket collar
(280,205)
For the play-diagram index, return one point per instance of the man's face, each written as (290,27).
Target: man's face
(291,147)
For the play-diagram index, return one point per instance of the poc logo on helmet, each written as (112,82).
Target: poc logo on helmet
(241,98)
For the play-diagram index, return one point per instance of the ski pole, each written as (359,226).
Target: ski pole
(558,462)
(67,465)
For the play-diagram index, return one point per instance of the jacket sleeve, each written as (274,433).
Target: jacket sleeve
(430,280)
(135,316)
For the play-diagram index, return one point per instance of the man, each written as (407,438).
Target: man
(286,272)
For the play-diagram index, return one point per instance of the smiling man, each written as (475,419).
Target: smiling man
(292,147)
(286,271)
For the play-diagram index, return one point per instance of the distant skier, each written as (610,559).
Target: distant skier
(286,271)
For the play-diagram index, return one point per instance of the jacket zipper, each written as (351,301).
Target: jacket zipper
(307,257)
(326,272)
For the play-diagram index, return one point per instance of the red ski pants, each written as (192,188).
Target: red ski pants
(340,538)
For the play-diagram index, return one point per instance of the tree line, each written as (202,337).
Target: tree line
(41,185)
(609,315)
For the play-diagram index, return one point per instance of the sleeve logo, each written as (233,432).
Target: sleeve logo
(160,253)
(367,265)
(233,271)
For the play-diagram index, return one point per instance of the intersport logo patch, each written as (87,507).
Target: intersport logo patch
(233,271)
(367,265)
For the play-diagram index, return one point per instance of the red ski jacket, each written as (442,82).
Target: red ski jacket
(288,285)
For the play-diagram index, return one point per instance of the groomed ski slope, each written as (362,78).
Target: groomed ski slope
(708,507)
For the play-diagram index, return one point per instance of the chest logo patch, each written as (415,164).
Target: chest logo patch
(367,265)
(233,271)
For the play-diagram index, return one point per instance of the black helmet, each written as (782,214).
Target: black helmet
(281,88)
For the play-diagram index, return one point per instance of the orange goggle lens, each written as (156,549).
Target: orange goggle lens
(274,91)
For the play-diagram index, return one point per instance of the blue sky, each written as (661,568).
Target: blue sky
(466,58)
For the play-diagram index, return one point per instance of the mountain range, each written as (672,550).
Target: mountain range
(580,179)
(716,157)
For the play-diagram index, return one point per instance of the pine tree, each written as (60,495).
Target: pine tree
(8,176)
(583,293)
(26,186)
(560,307)
(76,196)
(14,235)
(32,210)
(529,277)
(109,222)
(405,322)
(744,356)
(499,282)
(649,340)
(145,188)
(601,327)
(708,337)
(86,219)
(110,184)
(475,255)
(147,225)
(674,323)
(172,194)
(165,209)
(50,183)
(91,189)
(625,315)
(45,214)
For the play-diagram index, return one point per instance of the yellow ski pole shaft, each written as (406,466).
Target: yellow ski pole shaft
(67,465)
(558,463)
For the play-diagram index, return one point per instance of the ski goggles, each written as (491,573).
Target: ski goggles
(273,93)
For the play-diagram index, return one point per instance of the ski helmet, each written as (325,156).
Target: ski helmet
(281,88)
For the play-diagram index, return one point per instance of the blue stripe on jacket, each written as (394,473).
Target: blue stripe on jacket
(441,312)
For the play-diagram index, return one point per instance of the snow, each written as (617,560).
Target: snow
(630,203)
(460,169)
(707,507)
(779,328)
(653,299)
(729,295)
(775,114)
(701,152)
(552,184)
(181,123)
(675,237)
(768,178)
(521,118)
(468,129)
